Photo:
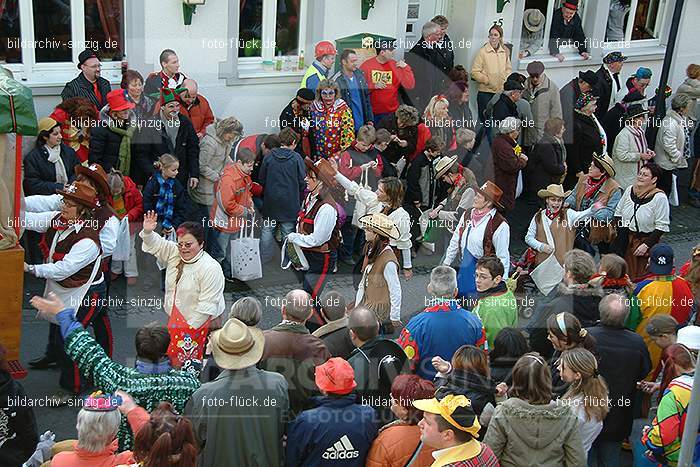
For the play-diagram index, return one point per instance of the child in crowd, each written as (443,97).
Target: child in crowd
(381,142)
(497,307)
(128,203)
(587,394)
(165,195)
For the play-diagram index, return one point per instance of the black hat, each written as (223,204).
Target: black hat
(635,110)
(85,55)
(570,4)
(588,76)
(519,77)
(306,94)
(661,259)
(535,68)
(512,85)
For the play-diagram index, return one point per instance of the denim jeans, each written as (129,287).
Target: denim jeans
(267,237)
(605,454)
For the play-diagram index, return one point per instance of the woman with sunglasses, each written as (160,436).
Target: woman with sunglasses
(332,126)
(73,273)
(194,289)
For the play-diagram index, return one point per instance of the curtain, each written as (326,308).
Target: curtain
(110,18)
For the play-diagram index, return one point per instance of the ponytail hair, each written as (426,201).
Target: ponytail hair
(567,327)
(164,161)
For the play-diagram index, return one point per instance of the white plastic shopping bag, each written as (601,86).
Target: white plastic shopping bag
(519,186)
(122,248)
(673,199)
(245,254)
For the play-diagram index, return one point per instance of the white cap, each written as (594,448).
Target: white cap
(690,337)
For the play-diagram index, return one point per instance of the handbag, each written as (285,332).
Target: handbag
(245,255)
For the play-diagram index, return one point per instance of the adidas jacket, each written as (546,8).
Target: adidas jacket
(338,432)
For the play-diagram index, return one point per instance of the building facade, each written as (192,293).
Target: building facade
(232,46)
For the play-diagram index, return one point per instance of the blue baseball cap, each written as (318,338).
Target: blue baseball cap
(661,259)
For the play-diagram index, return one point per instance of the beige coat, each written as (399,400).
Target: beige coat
(491,68)
(213,157)
(626,158)
(670,143)
(544,101)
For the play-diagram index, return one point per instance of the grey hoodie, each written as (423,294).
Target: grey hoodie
(525,435)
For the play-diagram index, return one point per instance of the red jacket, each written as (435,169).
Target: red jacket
(353,172)
(200,114)
(386,100)
(423,137)
(133,203)
(232,196)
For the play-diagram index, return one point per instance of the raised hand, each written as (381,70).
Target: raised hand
(150,221)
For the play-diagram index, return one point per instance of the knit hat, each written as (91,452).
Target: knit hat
(584,99)
(85,55)
(336,376)
(661,259)
(46,124)
(535,68)
(642,73)
(306,95)
(450,406)
(168,95)
(613,57)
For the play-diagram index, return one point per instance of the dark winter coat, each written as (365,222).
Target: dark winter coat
(430,66)
(502,369)
(504,107)
(480,390)
(579,152)
(336,336)
(182,204)
(568,95)
(421,183)
(342,81)
(394,152)
(151,141)
(506,166)
(613,122)
(545,165)
(104,147)
(40,174)
(18,430)
(623,359)
(472,161)
(604,90)
(580,302)
(337,432)
(564,32)
(282,175)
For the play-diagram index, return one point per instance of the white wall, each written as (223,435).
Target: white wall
(344,18)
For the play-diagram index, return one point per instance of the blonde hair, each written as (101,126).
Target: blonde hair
(366,134)
(164,161)
(693,71)
(429,112)
(229,125)
(591,389)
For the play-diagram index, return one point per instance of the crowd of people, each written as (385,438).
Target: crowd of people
(375,166)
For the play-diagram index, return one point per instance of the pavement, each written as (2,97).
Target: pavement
(134,306)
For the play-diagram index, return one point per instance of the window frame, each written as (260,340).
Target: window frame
(660,23)
(31,73)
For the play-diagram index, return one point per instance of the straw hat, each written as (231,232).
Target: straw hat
(236,346)
(606,161)
(82,193)
(553,191)
(443,165)
(381,225)
(533,20)
(97,174)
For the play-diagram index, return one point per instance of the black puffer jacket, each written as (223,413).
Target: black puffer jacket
(40,174)
(480,390)
(18,430)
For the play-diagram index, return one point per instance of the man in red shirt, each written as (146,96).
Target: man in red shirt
(195,107)
(384,76)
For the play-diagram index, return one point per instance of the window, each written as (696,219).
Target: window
(539,40)
(44,37)
(269,28)
(646,22)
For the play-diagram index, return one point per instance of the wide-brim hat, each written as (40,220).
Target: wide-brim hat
(117,100)
(553,191)
(606,161)
(323,170)
(80,192)
(97,174)
(443,165)
(533,19)
(491,192)
(690,337)
(236,346)
(635,110)
(380,224)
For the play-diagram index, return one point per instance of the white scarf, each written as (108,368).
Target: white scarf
(55,159)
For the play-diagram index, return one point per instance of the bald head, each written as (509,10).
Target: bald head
(297,306)
(614,309)
(363,323)
(190,93)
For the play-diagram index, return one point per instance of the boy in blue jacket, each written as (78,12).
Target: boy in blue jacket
(338,432)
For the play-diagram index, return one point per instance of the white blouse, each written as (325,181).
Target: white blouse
(650,216)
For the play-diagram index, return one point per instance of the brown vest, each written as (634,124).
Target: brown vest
(376,296)
(305,226)
(562,233)
(65,245)
(603,194)
(493,224)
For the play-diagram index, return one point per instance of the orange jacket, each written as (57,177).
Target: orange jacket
(394,447)
(200,114)
(232,198)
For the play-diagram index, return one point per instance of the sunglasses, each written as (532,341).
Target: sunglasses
(184,244)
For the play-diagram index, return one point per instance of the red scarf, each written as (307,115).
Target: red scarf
(551,214)
(641,142)
(476,216)
(592,185)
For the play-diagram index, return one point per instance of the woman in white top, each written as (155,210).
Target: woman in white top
(642,217)
(380,289)
(587,394)
(194,289)
(387,200)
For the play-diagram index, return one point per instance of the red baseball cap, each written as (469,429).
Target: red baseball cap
(117,100)
(336,376)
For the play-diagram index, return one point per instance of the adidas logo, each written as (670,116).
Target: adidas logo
(342,449)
